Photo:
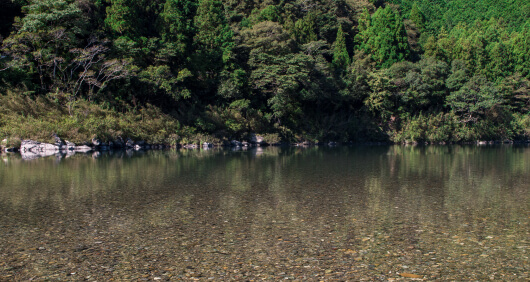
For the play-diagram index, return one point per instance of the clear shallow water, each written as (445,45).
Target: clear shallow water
(372,213)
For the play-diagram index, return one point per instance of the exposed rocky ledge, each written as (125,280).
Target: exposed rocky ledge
(30,149)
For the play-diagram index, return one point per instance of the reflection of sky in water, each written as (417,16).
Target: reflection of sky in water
(361,212)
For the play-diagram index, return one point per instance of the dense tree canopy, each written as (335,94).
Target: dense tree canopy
(397,70)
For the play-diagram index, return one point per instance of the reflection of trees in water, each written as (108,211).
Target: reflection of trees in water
(384,184)
(352,206)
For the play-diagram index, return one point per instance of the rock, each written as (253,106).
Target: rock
(96,142)
(37,147)
(30,149)
(58,140)
(82,149)
(235,143)
(129,143)
(70,146)
(332,144)
(245,144)
(410,275)
(207,145)
(137,147)
(256,139)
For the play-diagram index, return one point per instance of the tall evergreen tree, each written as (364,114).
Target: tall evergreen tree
(177,25)
(213,39)
(341,58)
(384,38)
(416,16)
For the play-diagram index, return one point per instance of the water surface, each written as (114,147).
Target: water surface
(346,213)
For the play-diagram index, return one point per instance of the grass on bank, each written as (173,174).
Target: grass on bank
(39,118)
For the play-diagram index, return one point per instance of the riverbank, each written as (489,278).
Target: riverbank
(30,149)
(93,125)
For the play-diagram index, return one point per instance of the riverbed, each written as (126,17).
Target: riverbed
(306,214)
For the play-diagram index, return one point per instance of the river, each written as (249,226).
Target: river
(306,214)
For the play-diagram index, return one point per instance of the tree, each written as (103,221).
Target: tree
(121,17)
(521,50)
(341,58)
(178,27)
(384,38)
(41,45)
(214,38)
(474,99)
(48,45)
(280,79)
(417,17)
(305,29)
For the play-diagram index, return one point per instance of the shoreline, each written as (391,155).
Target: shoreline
(30,149)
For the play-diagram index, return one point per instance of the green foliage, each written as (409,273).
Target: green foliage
(474,99)
(177,25)
(40,118)
(341,58)
(121,17)
(271,13)
(417,17)
(521,50)
(280,78)
(449,13)
(428,128)
(289,69)
(384,38)
(213,42)
(305,29)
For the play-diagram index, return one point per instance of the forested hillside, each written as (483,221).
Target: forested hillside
(316,70)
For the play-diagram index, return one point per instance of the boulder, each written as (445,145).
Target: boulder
(70,146)
(256,139)
(129,143)
(96,142)
(83,149)
(235,143)
(58,140)
(37,147)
